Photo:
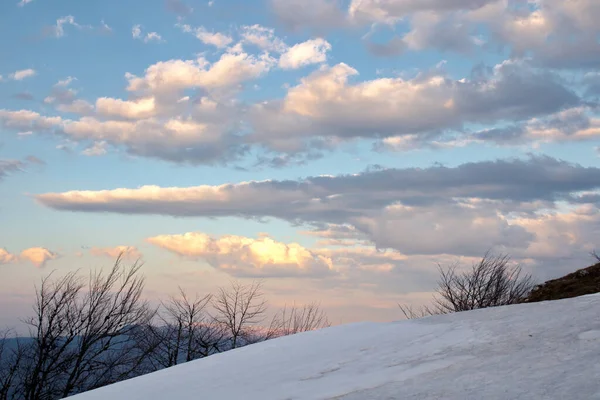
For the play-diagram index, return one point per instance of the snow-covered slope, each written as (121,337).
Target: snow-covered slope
(545,350)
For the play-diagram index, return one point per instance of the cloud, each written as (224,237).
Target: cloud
(262,37)
(416,211)
(58,30)
(8,167)
(328,104)
(142,107)
(22,74)
(130,252)
(178,7)
(312,51)
(25,120)
(97,149)
(136,33)
(64,98)
(217,39)
(242,256)
(391,11)
(23,96)
(6,257)
(38,256)
(23,3)
(316,15)
(554,33)
(104,28)
(176,75)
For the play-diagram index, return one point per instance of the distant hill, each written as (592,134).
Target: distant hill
(524,351)
(579,283)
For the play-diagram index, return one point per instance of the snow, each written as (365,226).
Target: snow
(548,350)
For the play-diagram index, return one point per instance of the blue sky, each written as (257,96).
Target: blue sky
(382,137)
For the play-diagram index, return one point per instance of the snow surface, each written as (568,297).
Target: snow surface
(548,350)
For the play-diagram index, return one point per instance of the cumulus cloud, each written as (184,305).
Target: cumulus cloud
(38,256)
(142,107)
(312,51)
(22,74)
(130,252)
(174,75)
(23,3)
(328,104)
(242,256)
(25,120)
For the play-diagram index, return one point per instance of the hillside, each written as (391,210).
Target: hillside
(543,350)
(581,282)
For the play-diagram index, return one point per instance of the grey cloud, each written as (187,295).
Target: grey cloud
(513,91)
(394,47)
(178,7)
(437,210)
(333,199)
(23,96)
(8,167)
(316,15)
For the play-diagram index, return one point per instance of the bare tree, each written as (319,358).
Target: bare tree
(491,282)
(11,363)
(596,255)
(185,332)
(238,309)
(289,321)
(82,332)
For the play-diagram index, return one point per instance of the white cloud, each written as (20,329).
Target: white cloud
(129,252)
(58,30)
(24,2)
(262,37)
(22,74)
(312,51)
(242,256)
(6,257)
(38,256)
(175,75)
(217,39)
(136,33)
(140,108)
(97,149)
(25,120)
(328,104)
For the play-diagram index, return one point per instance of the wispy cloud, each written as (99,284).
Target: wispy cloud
(136,33)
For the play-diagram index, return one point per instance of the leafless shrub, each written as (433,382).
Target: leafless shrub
(596,255)
(491,282)
(289,321)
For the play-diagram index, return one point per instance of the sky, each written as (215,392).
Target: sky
(337,151)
